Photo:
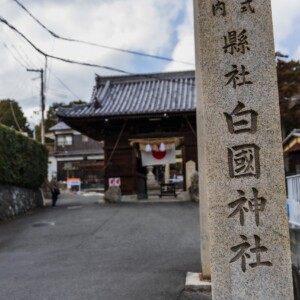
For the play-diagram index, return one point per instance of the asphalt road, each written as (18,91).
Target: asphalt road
(83,250)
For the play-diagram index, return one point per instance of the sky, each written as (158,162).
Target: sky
(155,27)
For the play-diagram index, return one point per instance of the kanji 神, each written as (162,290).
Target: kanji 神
(236,42)
(244,161)
(243,255)
(241,120)
(243,205)
(219,8)
(236,77)
(246,6)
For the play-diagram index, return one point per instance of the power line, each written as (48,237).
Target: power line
(59,58)
(20,55)
(28,66)
(27,57)
(72,61)
(55,35)
(49,67)
(64,85)
(15,57)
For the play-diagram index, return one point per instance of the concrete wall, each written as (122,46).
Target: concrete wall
(15,201)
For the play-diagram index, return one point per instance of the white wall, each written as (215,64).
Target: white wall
(52,167)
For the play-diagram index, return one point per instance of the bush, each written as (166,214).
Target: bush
(23,162)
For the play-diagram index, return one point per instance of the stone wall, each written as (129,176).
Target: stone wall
(16,201)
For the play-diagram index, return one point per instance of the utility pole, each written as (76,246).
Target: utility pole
(41,71)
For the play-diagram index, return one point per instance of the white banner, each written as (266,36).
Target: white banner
(153,158)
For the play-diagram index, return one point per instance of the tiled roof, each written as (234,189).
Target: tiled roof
(60,126)
(135,95)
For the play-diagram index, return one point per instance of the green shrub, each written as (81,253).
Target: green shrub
(23,162)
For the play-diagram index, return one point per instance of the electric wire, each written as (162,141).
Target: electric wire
(149,76)
(64,85)
(50,64)
(28,58)
(56,77)
(20,54)
(2,20)
(15,57)
(47,83)
(55,35)
(71,61)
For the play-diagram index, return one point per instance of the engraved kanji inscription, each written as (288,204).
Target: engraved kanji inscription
(235,42)
(241,120)
(257,250)
(219,8)
(238,78)
(244,205)
(247,6)
(244,161)
(243,255)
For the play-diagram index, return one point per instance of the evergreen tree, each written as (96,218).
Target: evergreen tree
(288,75)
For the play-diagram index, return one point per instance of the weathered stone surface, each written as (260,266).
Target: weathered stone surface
(194,188)
(113,194)
(16,201)
(151,181)
(242,189)
(190,168)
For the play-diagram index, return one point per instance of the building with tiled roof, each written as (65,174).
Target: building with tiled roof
(128,111)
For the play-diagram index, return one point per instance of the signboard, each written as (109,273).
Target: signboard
(73,182)
(115,181)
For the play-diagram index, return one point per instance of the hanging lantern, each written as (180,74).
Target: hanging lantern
(148,148)
(162,147)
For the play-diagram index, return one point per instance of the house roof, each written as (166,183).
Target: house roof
(292,141)
(135,95)
(60,126)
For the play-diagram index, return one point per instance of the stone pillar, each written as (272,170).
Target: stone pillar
(167,173)
(190,169)
(242,189)
(151,181)
(153,188)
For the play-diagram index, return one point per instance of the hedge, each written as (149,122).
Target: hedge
(23,161)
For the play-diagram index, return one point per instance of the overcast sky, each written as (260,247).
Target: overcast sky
(157,27)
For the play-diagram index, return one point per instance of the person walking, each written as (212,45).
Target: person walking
(54,188)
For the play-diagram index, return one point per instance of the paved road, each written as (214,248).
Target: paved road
(103,252)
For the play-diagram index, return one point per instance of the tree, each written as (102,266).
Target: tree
(12,116)
(288,76)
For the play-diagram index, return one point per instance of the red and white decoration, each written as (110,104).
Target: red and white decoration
(115,181)
(159,155)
